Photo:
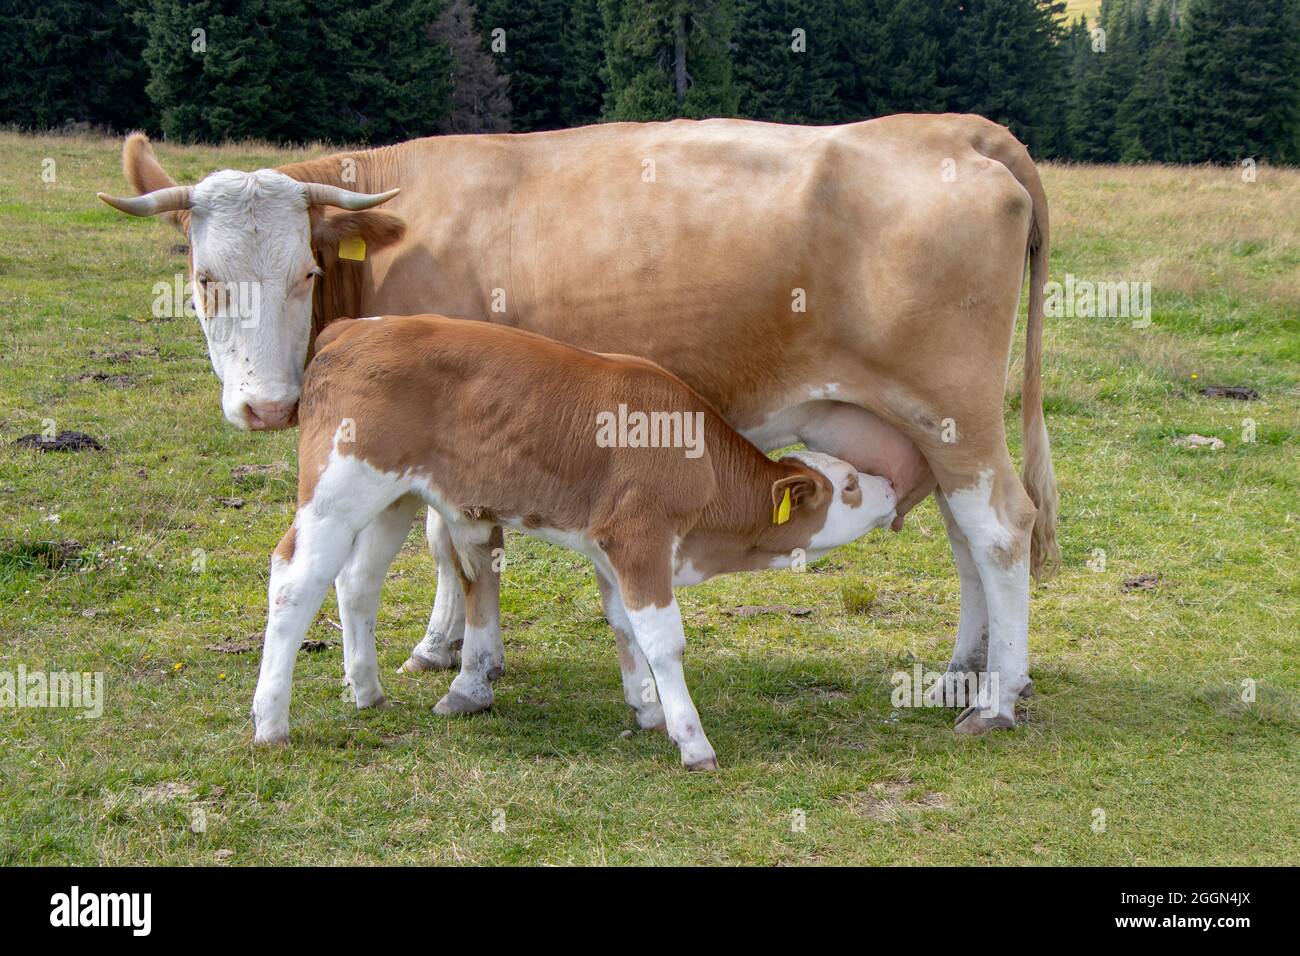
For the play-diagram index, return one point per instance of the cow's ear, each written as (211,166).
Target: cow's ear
(146,175)
(789,494)
(377,229)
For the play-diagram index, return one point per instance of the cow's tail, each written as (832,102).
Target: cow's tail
(1037,474)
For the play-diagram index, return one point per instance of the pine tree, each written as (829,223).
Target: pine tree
(213,67)
(533,58)
(71,61)
(1238,92)
(1002,59)
(668,58)
(1144,121)
(479,99)
(383,84)
(889,58)
(1107,64)
(783,61)
(583,83)
(290,71)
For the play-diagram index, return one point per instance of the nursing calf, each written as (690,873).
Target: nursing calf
(496,427)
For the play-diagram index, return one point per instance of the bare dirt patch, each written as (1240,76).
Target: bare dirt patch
(1143,582)
(63,441)
(1240,393)
(888,801)
(754,610)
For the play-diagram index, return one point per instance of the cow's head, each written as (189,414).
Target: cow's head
(253,270)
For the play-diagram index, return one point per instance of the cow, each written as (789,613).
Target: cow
(493,426)
(851,287)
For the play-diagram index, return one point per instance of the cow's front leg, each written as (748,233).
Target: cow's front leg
(996,517)
(441,647)
(483,656)
(358,585)
(638,681)
(305,562)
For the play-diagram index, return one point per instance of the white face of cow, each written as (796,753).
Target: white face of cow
(250,242)
(250,246)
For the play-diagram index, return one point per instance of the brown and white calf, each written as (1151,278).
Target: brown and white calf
(497,427)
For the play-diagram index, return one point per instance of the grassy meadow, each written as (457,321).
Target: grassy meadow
(1164,729)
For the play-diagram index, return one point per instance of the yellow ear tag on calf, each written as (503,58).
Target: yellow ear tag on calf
(781,512)
(353,247)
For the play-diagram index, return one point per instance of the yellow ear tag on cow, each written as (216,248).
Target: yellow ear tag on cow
(781,513)
(353,247)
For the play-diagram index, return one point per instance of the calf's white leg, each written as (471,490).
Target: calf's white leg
(316,549)
(358,585)
(638,681)
(663,641)
(441,647)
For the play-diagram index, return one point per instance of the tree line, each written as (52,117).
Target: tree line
(1147,80)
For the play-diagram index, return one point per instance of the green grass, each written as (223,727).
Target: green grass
(1074,9)
(1138,710)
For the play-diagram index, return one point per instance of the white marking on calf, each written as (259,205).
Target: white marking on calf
(659,632)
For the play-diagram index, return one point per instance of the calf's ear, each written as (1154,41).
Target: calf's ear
(789,494)
(376,229)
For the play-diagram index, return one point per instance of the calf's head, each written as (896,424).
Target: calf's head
(826,503)
(253,272)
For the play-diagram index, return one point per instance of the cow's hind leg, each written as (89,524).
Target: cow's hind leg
(483,656)
(995,516)
(638,681)
(441,647)
(971,648)
(358,585)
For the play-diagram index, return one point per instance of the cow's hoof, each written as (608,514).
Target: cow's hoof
(707,765)
(454,702)
(1027,690)
(381,703)
(278,738)
(416,665)
(445,658)
(971,721)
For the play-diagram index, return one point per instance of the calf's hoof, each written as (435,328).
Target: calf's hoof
(271,738)
(705,765)
(267,733)
(971,721)
(454,702)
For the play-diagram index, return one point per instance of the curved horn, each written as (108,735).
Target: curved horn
(318,194)
(168,199)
